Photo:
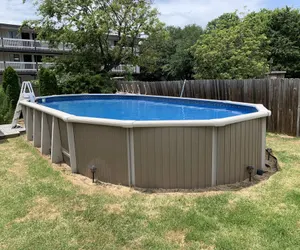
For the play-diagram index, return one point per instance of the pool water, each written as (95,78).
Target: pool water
(143,108)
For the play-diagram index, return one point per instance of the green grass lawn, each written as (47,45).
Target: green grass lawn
(43,208)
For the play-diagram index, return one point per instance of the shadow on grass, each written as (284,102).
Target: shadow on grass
(220,188)
(257,179)
(3,140)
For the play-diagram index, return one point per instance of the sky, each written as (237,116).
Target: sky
(172,12)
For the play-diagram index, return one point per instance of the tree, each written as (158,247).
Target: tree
(166,55)
(11,86)
(85,25)
(284,35)
(234,51)
(225,21)
(9,76)
(47,82)
(153,53)
(85,83)
(2,106)
(180,64)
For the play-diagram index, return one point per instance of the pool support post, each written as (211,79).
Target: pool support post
(56,150)
(130,156)
(263,139)
(45,140)
(214,157)
(29,124)
(24,114)
(36,128)
(71,142)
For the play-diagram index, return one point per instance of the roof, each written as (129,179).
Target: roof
(13,26)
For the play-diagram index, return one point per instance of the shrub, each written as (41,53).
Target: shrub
(11,86)
(2,102)
(9,76)
(6,109)
(47,82)
(86,83)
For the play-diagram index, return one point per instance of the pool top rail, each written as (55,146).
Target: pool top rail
(261,112)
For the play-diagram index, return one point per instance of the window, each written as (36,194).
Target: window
(38,58)
(34,36)
(16,58)
(12,34)
(115,43)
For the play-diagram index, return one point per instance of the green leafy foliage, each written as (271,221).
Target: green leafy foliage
(9,75)
(86,26)
(234,51)
(47,82)
(11,86)
(86,83)
(9,95)
(225,21)
(167,55)
(233,46)
(2,104)
(6,109)
(180,64)
(153,51)
(284,35)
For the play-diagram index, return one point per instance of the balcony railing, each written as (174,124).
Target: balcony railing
(23,44)
(126,68)
(32,67)
(24,66)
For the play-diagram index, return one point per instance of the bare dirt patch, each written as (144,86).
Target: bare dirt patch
(42,210)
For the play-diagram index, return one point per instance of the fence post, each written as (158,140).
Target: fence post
(298,110)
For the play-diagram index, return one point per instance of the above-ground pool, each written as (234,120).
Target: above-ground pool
(150,141)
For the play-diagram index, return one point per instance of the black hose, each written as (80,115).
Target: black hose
(270,154)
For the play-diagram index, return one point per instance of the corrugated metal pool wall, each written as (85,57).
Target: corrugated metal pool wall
(152,157)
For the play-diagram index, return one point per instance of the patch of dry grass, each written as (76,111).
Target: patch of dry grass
(114,208)
(177,237)
(42,209)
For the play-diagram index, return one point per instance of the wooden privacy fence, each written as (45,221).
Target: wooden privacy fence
(281,96)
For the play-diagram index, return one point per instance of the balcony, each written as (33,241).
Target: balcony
(32,67)
(13,44)
(24,67)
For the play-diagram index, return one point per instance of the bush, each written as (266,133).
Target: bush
(9,76)
(47,82)
(85,83)
(11,86)
(6,109)
(2,101)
